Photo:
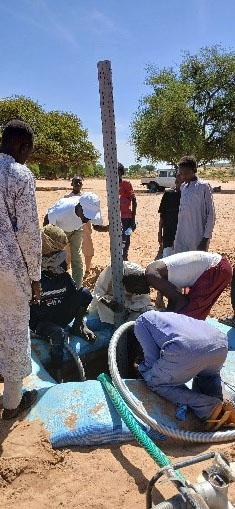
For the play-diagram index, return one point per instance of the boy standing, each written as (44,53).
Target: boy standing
(87,242)
(128,206)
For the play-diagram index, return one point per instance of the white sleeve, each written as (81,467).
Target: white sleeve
(210,211)
(28,231)
(103,284)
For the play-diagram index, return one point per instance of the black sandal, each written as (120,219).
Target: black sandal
(27,400)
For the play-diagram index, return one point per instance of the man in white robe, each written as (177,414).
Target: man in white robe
(20,264)
(196,217)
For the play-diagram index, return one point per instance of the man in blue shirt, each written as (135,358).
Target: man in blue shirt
(177,349)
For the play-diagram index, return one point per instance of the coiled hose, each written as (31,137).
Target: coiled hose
(156,454)
(138,408)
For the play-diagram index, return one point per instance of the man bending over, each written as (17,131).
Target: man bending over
(70,214)
(177,349)
(206,274)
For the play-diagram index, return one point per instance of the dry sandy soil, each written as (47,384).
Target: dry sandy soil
(32,475)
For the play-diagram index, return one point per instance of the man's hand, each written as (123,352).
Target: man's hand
(203,246)
(36,292)
(112,304)
(86,333)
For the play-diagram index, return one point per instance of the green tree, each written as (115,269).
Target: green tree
(149,168)
(99,170)
(61,143)
(189,110)
(134,169)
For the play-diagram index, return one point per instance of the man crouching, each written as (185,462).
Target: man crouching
(61,301)
(177,349)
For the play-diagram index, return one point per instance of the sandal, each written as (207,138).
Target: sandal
(214,417)
(27,400)
(229,406)
(223,416)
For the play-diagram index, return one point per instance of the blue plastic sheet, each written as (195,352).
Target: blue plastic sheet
(79,413)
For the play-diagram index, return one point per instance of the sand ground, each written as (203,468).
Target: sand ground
(32,475)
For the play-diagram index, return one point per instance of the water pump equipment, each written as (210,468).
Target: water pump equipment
(211,493)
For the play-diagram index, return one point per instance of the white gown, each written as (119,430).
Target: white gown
(20,263)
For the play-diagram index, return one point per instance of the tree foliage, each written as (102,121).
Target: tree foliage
(61,143)
(189,110)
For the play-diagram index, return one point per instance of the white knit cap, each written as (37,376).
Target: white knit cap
(130,268)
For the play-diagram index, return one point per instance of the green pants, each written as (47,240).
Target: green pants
(75,244)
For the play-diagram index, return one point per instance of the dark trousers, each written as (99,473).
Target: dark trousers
(52,328)
(126,239)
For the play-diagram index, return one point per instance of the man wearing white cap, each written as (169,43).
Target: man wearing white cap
(70,214)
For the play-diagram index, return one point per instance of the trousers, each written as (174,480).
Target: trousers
(207,289)
(168,368)
(126,239)
(87,245)
(75,244)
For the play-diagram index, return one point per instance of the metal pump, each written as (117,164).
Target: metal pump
(212,493)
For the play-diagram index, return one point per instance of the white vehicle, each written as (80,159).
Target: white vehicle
(161,180)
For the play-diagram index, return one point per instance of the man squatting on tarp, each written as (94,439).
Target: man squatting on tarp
(20,265)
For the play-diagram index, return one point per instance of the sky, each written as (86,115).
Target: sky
(50,50)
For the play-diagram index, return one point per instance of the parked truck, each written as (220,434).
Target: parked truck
(161,180)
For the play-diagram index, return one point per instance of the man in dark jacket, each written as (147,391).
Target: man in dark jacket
(61,301)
